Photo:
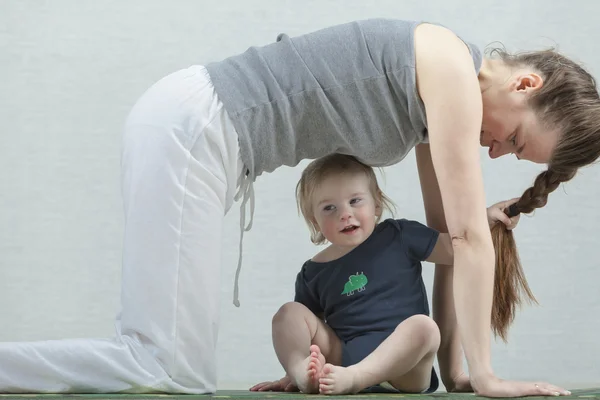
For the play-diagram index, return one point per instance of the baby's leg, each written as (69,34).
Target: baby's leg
(302,342)
(404,359)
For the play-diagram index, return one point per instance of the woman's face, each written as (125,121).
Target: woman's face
(510,126)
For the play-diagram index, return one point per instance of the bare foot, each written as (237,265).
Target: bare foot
(309,371)
(338,380)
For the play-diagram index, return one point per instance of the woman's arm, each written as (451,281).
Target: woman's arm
(450,91)
(448,85)
(450,352)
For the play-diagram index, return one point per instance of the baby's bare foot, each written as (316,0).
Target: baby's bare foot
(338,380)
(309,371)
(315,366)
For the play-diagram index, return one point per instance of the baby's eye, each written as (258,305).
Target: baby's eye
(355,200)
(328,208)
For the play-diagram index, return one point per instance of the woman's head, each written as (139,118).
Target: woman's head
(546,110)
(539,104)
(340,200)
(567,105)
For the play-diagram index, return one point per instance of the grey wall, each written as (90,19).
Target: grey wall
(71,69)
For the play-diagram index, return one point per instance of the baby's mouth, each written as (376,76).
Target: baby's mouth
(349,228)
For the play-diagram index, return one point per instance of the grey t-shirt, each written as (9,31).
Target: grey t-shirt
(374,287)
(348,89)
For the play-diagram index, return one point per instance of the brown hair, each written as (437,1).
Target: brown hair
(320,169)
(568,100)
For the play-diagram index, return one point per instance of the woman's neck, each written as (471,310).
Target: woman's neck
(492,72)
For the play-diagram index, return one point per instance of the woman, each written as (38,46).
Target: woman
(373,89)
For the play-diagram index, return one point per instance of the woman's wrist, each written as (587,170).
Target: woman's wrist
(480,378)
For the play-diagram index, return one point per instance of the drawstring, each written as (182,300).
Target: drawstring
(247,191)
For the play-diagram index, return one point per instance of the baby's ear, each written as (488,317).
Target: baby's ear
(378,209)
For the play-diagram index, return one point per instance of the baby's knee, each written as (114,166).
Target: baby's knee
(290,309)
(424,329)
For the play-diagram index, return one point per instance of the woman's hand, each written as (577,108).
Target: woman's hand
(283,385)
(495,214)
(495,387)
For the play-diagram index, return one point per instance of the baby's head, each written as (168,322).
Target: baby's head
(340,200)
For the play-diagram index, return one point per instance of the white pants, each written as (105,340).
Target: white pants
(181,167)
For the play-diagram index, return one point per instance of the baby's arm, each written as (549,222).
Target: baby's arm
(442,252)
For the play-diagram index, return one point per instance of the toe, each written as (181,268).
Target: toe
(325,389)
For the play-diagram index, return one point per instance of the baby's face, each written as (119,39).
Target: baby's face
(344,209)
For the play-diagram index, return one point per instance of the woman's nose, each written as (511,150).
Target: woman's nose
(499,150)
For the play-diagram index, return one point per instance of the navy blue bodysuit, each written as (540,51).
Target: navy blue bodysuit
(365,294)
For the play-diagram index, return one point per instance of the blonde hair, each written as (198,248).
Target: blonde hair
(322,168)
(569,101)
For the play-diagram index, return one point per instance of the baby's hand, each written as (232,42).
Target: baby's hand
(283,385)
(496,213)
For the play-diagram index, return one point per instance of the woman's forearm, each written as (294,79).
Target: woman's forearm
(450,355)
(473,286)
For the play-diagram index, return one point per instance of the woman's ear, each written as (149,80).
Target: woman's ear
(527,82)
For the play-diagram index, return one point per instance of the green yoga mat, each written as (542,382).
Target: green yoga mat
(247,395)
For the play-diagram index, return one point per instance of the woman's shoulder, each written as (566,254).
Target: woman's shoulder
(438,40)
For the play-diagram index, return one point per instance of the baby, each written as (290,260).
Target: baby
(360,317)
